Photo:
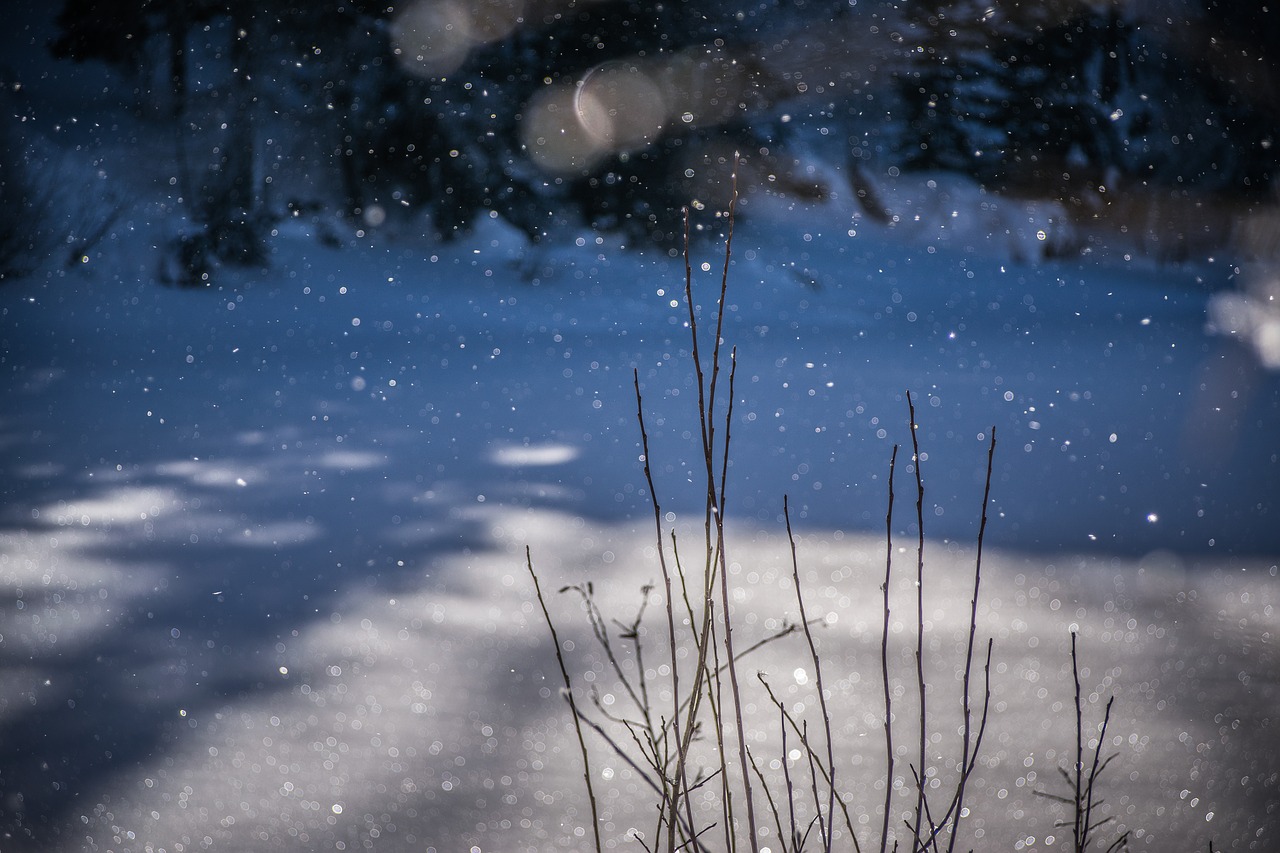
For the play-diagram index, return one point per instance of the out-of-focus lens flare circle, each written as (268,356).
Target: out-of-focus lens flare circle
(706,86)
(620,107)
(553,135)
(680,77)
(1267,343)
(493,20)
(1252,317)
(432,39)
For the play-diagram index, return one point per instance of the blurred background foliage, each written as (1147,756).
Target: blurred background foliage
(616,113)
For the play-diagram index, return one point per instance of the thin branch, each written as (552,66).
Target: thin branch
(965,762)
(817,799)
(1079,834)
(573,705)
(924,734)
(1096,770)
(682,744)
(716,506)
(764,786)
(884,659)
(786,776)
(686,829)
(829,826)
(844,808)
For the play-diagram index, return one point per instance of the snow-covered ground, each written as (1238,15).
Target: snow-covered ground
(261,547)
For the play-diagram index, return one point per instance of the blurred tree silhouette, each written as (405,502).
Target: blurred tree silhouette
(444,139)
(618,112)
(949,85)
(1056,96)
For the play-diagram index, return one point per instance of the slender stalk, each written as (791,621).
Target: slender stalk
(600,630)
(884,659)
(817,800)
(724,288)
(791,790)
(924,733)
(965,761)
(715,698)
(977,746)
(795,727)
(930,840)
(706,425)
(768,795)
(1093,774)
(714,520)
(1079,832)
(682,746)
(734,689)
(686,829)
(573,705)
(1082,801)
(829,825)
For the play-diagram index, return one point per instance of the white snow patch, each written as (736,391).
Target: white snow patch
(526,456)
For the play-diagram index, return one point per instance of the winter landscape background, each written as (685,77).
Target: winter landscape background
(271,450)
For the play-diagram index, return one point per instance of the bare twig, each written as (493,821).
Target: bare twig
(924,719)
(968,756)
(1083,802)
(822,695)
(716,507)
(795,727)
(884,659)
(682,744)
(791,788)
(764,786)
(573,705)
(818,817)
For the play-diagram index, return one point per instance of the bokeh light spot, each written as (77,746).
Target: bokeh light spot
(620,106)
(553,135)
(431,38)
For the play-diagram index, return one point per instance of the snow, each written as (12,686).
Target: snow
(262,544)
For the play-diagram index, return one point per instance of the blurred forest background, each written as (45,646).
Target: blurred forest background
(1144,116)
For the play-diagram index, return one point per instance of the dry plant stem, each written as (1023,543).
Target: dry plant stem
(884,659)
(1084,808)
(600,630)
(704,633)
(705,639)
(829,826)
(922,844)
(818,817)
(573,705)
(686,829)
(924,734)
(1089,826)
(969,756)
(715,699)
(632,632)
(967,769)
(620,752)
(791,798)
(795,727)
(785,631)
(768,794)
(1083,801)
(1080,834)
(715,497)
(681,781)
(970,746)
(704,679)
(730,658)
